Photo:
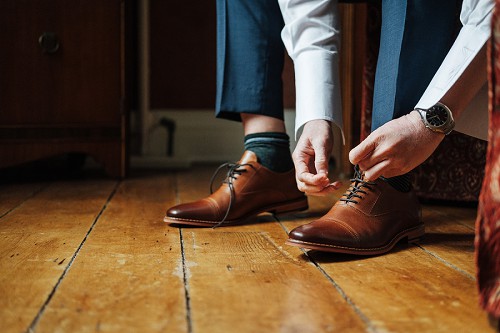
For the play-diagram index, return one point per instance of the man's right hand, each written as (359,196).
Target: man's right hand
(311,157)
(395,148)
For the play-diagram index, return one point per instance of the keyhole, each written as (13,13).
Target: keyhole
(48,42)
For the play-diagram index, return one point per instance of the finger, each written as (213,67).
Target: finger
(313,180)
(377,156)
(311,189)
(336,185)
(377,170)
(322,191)
(309,182)
(300,165)
(362,151)
(300,186)
(321,161)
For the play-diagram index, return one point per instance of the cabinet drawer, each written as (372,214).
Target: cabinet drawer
(77,79)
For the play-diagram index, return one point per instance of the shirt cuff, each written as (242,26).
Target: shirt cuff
(317,87)
(466,46)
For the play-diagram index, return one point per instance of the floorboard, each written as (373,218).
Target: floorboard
(449,240)
(37,243)
(242,279)
(424,288)
(407,291)
(94,255)
(129,274)
(12,196)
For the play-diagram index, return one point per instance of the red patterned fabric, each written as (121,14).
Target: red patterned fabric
(373,24)
(454,172)
(488,220)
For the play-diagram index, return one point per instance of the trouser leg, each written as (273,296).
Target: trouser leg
(415,37)
(250,56)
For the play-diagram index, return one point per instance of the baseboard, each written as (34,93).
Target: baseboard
(201,138)
(198,138)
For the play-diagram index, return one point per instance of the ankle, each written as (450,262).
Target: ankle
(272,150)
(257,123)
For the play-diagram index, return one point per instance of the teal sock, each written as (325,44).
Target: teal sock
(272,150)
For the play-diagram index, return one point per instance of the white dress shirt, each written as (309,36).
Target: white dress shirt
(312,38)
(476,30)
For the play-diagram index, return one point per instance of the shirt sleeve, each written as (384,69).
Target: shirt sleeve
(476,20)
(312,38)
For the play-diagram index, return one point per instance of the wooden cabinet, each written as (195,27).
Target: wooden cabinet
(63,80)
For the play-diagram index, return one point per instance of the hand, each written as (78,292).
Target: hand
(311,157)
(395,148)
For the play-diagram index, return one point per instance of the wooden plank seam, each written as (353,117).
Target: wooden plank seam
(37,318)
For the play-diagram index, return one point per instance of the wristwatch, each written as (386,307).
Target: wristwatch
(437,118)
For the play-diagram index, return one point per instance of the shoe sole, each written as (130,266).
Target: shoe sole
(287,207)
(413,235)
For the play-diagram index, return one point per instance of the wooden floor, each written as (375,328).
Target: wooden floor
(93,255)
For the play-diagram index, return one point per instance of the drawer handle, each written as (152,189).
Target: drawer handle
(48,42)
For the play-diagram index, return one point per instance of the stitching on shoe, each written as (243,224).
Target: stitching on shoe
(349,229)
(358,249)
(214,205)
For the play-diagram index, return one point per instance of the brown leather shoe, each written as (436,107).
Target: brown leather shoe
(369,219)
(249,189)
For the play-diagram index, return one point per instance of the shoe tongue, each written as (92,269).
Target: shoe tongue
(248,156)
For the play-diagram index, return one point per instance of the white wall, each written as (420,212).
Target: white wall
(199,138)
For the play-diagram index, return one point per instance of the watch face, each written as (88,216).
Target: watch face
(437,116)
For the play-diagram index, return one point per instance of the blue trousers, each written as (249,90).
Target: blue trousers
(415,37)
(250,58)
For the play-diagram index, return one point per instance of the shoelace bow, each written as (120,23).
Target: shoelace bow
(356,187)
(233,170)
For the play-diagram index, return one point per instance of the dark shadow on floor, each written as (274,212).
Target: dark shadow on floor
(61,167)
(321,257)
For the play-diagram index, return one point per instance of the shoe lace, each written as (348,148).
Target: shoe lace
(358,183)
(233,171)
